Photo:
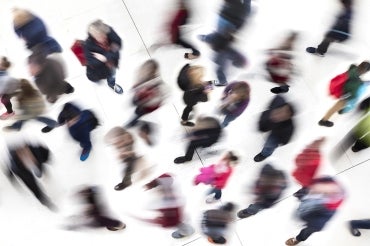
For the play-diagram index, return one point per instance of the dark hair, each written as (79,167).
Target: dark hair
(5,62)
(232,156)
(229,207)
(364,67)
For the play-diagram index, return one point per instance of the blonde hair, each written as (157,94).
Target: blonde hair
(98,27)
(115,132)
(21,17)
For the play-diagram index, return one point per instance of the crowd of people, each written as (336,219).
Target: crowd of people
(319,197)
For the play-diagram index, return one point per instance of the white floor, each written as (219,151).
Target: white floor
(140,23)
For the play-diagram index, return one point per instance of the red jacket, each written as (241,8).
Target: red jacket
(221,178)
(307,163)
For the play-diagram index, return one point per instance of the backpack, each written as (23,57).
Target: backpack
(337,83)
(78,49)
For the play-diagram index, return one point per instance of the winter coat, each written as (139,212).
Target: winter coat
(211,175)
(307,164)
(95,69)
(31,107)
(8,85)
(149,95)
(282,130)
(279,66)
(50,81)
(236,11)
(34,32)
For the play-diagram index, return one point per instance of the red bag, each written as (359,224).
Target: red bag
(337,83)
(78,49)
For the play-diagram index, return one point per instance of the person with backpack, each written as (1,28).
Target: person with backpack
(80,123)
(215,223)
(348,87)
(325,195)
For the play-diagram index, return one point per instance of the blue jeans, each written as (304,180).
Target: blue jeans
(111,80)
(221,59)
(216,191)
(270,145)
(225,27)
(49,122)
(228,118)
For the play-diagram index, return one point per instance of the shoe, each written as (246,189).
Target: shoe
(10,128)
(259,157)
(122,185)
(211,200)
(354,231)
(277,90)
(326,123)
(313,50)
(121,226)
(181,159)
(70,89)
(292,241)
(117,89)
(6,115)
(177,235)
(190,56)
(220,240)
(218,83)
(187,123)
(242,214)
(46,129)
(355,149)
(85,154)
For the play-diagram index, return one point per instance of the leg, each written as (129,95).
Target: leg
(111,80)
(186,112)
(228,118)
(322,48)
(225,27)
(138,114)
(237,59)
(126,181)
(305,233)
(270,146)
(335,108)
(217,195)
(16,125)
(221,61)
(185,44)
(49,122)
(358,224)
(5,99)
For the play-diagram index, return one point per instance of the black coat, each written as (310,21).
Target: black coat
(283,130)
(95,69)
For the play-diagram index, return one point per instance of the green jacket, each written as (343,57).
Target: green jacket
(353,84)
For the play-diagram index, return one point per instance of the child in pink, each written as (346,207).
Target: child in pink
(217,175)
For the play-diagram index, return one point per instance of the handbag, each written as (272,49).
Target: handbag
(78,49)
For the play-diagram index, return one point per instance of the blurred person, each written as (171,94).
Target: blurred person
(215,223)
(33,31)
(49,76)
(307,163)
(234,101)
(8,87)
(217,175)
(27,161)
(325,195)
(278,121)
(148,91)
(95,213)
(206,132)
(355,225)
(339,32)
(32,106)
(80,123)
(180,19)
(268,189)
(190,80)
(169,206)
(123,142)
(352,89)
(358,137)
(102,52)
(279,64)
(232,17)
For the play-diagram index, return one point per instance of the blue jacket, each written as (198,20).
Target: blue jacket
(35,33)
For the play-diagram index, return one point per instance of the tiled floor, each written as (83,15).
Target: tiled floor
(139,23)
